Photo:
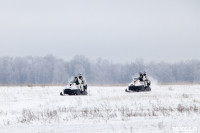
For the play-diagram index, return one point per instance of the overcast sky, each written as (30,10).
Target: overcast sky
(117,30)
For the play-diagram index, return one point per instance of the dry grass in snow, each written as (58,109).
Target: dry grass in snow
(105,109)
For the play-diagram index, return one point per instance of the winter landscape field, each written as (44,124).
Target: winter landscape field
(40,109)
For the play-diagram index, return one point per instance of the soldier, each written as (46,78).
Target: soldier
(74,81)
(140,78)
(83,85)
(146,79)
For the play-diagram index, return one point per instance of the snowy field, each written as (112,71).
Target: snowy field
(166,109)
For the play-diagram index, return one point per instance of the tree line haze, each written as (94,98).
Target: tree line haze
(51,70)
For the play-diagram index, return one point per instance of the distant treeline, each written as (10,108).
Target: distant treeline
(51,70)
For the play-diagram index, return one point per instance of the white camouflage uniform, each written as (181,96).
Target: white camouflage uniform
(82,82)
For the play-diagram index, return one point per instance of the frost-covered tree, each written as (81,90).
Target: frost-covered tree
(51,70)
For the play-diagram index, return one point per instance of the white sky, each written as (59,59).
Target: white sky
(117,30)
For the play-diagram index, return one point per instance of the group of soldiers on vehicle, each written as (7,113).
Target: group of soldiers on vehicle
(80,82)
(143,78)
(80,85)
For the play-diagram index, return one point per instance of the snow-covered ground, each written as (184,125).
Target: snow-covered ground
(169,108)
